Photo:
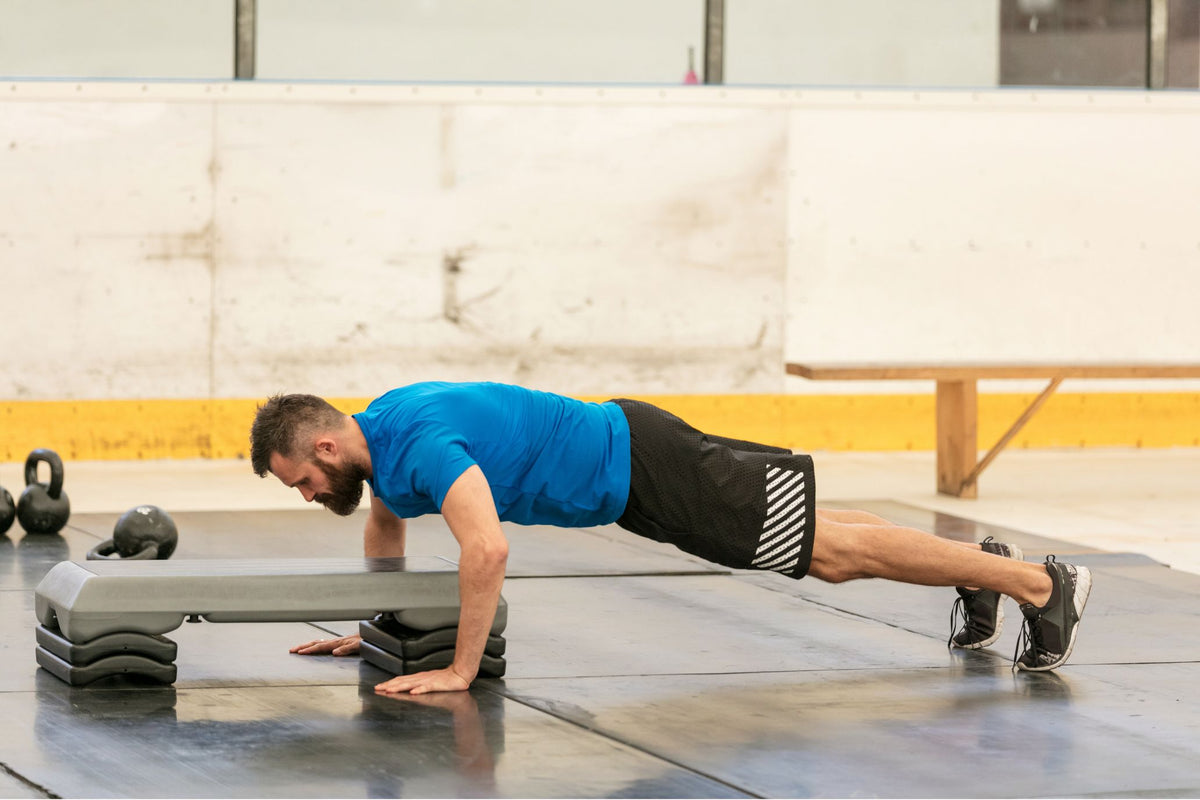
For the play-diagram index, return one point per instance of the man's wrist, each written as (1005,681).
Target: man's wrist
(466,673)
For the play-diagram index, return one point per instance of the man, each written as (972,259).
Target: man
(480,453)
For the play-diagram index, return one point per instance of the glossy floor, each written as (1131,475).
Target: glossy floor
(637,671)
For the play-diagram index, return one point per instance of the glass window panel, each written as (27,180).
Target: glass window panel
(861,42)
(116,39)
(1183,44)
(1073,42)
(572,41)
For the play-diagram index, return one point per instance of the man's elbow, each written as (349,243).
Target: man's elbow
(496,552)
(490,553)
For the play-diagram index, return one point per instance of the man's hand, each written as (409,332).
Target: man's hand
(345,646)
(438,680)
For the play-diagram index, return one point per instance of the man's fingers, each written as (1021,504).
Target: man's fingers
(345,646)
(440,680)
(398,684)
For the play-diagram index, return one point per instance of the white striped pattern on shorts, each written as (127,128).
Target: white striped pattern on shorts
(783,531)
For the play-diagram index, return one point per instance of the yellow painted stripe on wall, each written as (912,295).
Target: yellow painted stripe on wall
(908,422)
(158,429)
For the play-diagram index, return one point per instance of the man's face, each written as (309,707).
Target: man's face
(337,486)
(345,487)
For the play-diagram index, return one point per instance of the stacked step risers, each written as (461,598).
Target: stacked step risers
(402,650)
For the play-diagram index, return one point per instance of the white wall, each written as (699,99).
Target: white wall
(226,240)
(1005,225)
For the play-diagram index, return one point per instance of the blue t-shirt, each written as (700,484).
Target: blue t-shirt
(549,459)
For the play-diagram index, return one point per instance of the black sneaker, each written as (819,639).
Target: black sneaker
(1050,630)
(981,610)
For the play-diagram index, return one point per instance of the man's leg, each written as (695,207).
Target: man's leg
(750,506)
(855,544)
(866,517)
(977,617)
(1052,596)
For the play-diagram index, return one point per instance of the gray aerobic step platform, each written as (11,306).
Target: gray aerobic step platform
(85,600)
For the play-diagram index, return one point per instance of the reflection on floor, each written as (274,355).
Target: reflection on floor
(633,671)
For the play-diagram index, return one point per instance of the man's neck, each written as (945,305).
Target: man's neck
(356,444)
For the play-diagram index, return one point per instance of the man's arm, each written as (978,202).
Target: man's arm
(384,533)
(383,537)
(471,514)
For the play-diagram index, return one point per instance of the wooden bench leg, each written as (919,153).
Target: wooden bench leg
(1027,415)
(957,437)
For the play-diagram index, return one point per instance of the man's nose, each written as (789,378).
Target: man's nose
(307,494)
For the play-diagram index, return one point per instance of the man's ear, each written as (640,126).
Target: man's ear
(326,446)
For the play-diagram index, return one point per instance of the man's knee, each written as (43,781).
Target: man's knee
(837,551)
(831,573)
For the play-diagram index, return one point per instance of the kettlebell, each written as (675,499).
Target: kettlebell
(142,533)
(8,511)
(43,508)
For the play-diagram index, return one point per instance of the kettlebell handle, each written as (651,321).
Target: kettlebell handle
(107,551)
(56,470)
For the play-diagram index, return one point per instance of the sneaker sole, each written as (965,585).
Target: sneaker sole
(1083,588)
(1015,554)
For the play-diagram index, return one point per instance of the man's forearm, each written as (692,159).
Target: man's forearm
(383,541)
(480,577)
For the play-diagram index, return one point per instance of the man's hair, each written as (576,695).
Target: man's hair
(283,422)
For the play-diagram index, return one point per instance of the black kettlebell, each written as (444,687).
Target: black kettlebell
(43,508)
(142,533)
(8,511)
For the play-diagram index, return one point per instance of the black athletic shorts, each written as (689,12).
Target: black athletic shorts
(739,504)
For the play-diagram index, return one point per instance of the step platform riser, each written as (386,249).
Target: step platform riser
(489,666)
(159,648)
(105,667)
(408,643)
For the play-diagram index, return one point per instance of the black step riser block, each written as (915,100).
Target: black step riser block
(489,666)
(105,667)
(158,648)
(407,643)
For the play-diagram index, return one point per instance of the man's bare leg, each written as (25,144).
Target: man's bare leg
(856,544)
(866,517)
(856,516)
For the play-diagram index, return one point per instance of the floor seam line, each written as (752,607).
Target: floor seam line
(620,740)
(12,773)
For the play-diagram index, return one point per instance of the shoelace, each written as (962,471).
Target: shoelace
(958,613)
(1031,635)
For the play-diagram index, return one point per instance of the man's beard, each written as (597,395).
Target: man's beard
(345,487)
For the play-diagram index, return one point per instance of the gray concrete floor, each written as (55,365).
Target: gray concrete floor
(637,671)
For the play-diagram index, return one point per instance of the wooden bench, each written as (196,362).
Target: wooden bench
(958,470)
